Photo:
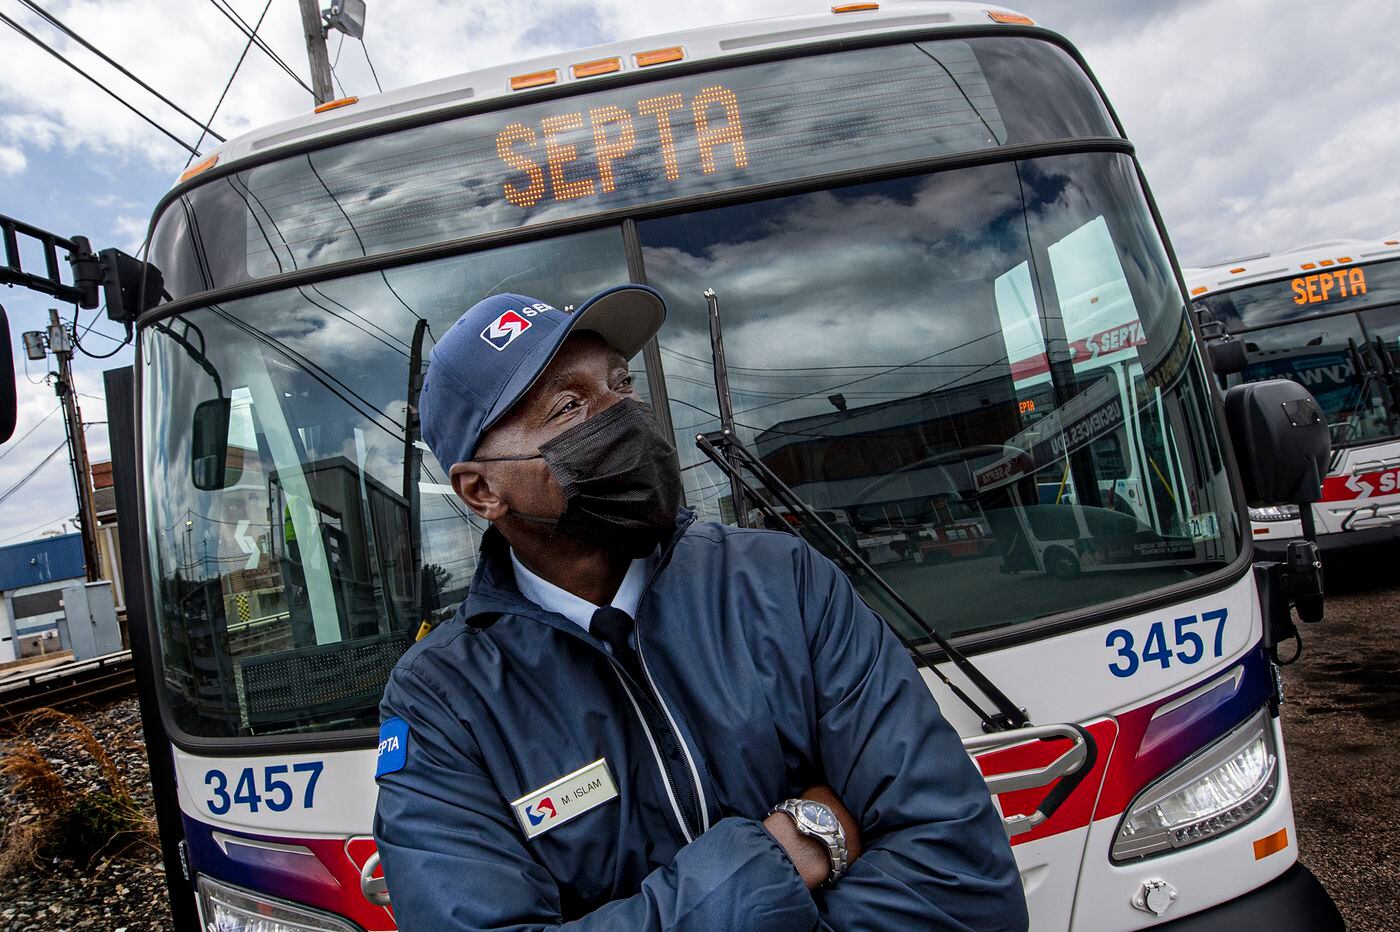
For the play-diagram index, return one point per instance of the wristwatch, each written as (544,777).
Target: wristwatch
(816,820)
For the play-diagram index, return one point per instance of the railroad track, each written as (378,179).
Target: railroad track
(69,684)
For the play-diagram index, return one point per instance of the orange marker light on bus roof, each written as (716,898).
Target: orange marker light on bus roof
(1308,266)
(336,104)
(1344,258)
(854,7)
(659,56)
(1325,262)
(1271,844)
(1199,289)
(1392,242)
(1011,19)
(588,69)
(1236,271)
(203,165)
(534,79)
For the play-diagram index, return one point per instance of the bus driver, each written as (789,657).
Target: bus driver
(638,721)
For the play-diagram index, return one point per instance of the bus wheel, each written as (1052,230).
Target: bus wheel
(1061,564)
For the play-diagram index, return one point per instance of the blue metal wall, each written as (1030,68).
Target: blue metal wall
(39,561)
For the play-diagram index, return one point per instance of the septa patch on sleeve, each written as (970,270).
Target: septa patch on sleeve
(393,747)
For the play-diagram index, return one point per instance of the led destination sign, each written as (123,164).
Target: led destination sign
(551,166)
(1321,287)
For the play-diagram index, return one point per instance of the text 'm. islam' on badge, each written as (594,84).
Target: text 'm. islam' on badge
(569,796)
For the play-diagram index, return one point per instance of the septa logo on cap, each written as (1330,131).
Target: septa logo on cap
(502,331)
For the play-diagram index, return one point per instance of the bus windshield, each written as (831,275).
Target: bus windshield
(1334,331)
(983,377)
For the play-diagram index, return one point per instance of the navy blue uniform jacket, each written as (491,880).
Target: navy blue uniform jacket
(776,676)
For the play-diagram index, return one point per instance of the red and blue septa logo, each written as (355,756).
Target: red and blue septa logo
(542,810)
(502,331)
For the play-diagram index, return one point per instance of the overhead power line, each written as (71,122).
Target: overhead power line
(251,32)
(105,89)
(33,472)
(364,48)
(252,37)
(57,24)
(9,447)
(66,516)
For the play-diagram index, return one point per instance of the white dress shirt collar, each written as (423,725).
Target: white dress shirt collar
(551,598)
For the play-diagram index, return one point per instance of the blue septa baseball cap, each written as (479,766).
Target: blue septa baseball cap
(496,350)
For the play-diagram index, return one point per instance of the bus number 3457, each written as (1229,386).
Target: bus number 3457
(1190,635)
(276,794)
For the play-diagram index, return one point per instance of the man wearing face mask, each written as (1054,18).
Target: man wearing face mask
(639,721)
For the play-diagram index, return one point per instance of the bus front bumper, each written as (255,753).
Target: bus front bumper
(1295,901)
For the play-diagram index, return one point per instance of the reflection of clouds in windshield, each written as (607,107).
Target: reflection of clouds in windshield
(896,278)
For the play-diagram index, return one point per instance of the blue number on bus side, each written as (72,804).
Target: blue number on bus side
(221,802)
(277,794)
(1187,646)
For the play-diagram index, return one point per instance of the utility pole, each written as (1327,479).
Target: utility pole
(61,344)
(316,53)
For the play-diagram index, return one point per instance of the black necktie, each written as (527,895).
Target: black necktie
(614,627)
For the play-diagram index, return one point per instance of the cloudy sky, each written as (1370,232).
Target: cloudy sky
(1262,124)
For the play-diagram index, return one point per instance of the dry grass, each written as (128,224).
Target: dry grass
(46,816)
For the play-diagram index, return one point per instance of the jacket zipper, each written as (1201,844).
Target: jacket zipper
(655,694)
(671,793)
(675,730)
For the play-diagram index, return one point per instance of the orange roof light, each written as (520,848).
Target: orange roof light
(854,7)
(588,69)
(659,56)
(534,79)
(1344,258)
(1236,271)
(203,165)
(336,104)
(1325,262)
(1200,289)
(1307,266)
(1392,242)
(1010,19)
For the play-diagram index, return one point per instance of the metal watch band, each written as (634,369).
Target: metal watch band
(835,840)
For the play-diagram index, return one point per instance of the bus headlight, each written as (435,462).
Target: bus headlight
(1222,787)
(234,909)
(1274,513)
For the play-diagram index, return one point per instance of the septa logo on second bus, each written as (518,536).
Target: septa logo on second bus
(502,331)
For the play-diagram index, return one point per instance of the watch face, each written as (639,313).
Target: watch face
(819,815)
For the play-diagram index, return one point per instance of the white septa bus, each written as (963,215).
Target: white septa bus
(1326,315)
(952,316)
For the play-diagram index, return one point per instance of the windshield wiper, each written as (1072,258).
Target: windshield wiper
(725,450)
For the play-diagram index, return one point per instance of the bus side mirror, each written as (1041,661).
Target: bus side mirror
(9,401)
(1281,441)
(1226,352)
(209,444)
(1227,356)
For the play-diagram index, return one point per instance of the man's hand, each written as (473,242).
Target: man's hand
(808,855)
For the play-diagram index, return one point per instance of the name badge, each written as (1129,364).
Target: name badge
(569,796)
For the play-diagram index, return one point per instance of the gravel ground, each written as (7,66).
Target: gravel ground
(1341,717)
(122,894)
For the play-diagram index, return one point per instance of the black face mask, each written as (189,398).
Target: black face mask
(620,476)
